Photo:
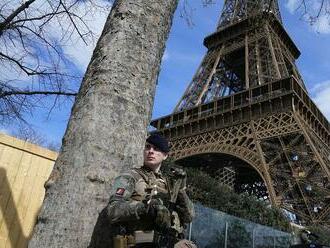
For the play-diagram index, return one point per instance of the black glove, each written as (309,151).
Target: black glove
(140,210)
(159,213)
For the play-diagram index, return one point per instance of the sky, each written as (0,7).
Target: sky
(185,50)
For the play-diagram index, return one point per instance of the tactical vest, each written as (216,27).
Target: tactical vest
(147,184)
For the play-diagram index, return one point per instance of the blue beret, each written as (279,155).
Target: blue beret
(159,141)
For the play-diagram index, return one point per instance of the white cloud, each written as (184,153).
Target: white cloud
(322,25)
(75,48)
(292,5)
(79,52)
(310,12)
(321,96)
(62,32)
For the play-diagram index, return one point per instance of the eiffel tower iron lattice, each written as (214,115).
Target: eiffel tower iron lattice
(248,101)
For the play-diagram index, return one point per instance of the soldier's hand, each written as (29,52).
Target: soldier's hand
(140,209)
(159,213)
(185,244)
(152,207)
(163,217)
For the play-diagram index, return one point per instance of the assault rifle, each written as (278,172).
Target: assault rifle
(177,180)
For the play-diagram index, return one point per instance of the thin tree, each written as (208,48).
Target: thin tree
(28,134)
(107,127)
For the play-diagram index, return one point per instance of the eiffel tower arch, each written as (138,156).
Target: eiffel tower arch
(247,100)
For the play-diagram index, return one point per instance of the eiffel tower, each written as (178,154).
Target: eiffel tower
(248,112)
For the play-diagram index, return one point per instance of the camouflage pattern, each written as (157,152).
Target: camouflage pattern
(136,186)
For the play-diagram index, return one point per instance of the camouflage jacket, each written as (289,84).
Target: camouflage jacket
(136,186)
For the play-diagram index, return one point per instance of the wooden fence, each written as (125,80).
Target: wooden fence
(24,168)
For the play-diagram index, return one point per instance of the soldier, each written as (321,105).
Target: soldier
(140,204)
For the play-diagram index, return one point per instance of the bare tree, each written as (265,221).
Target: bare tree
(28,134)
(33,63)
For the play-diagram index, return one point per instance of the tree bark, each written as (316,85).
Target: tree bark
(107,127)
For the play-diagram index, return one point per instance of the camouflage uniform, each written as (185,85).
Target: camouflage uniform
(134,187)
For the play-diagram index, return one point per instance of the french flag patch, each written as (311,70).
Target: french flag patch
(120,191)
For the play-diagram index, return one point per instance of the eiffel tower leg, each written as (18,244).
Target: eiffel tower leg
(266,175)
(203,75)
(311,143)
(324,216)
(247,78)
(295,170)
(300,188)
(206,85)
(272,52)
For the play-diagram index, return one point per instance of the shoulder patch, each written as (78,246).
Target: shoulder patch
(123,186)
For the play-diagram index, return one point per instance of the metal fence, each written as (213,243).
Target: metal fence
(211,229)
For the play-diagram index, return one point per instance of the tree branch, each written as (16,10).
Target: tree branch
(73,23)
(29,93)
(23,7)
(37,18)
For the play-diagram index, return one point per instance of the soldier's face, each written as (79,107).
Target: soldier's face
(153,157)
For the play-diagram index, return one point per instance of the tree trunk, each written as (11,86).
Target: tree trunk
(107,127)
